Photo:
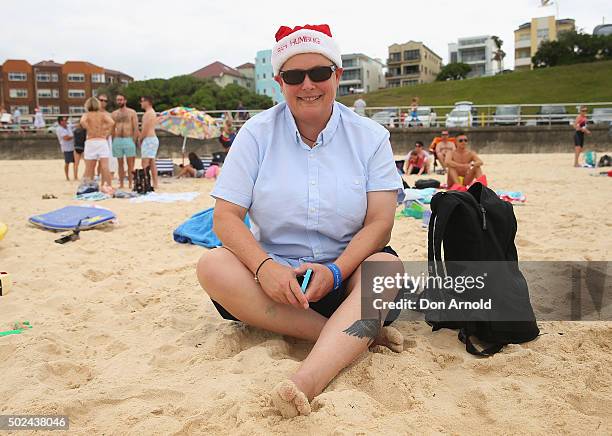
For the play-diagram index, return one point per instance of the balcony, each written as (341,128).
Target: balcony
(522,62)
(522,43)
(394,61)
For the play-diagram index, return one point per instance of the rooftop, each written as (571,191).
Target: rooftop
(246,65)
(216,69)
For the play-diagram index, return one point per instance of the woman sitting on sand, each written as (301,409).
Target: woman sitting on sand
(320,185)
(195,168)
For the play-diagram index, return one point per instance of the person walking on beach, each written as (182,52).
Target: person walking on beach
(39,120)
(320,185)
(149,143)
(97,124)
(65,136)
(463,164)
(580,128)
(125,135)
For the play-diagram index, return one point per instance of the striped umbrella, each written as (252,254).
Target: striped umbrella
(188,123)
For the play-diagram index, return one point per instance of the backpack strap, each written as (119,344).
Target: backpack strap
(471,348)
(437,225)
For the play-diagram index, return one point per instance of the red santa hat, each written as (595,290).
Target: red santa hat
(304,39)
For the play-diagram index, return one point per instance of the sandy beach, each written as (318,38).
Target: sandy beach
(125,341)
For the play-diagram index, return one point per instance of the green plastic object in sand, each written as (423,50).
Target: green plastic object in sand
(18,328)
(415,210)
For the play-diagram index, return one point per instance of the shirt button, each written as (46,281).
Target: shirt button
(312,209)
(356,181)
(311,155)
(312,182)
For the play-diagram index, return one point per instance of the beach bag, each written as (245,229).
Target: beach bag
(590,158)
(605,161)
(469,227)
(142,181)
(426,183)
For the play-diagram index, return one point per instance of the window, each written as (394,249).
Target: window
(25,110)
(76,77)
(265,91)
(111,79)
(263,60)
(411,69)
(47,77)
(395,57)
(264,75)
(76,110)
(18,77)
(410,82)
(18,93)
(76,93)
(97,78)
(50,110)
(124,81)
(349,63)
(48,93)
(542,34)
(411,55)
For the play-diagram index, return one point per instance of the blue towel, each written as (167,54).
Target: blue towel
(199,230)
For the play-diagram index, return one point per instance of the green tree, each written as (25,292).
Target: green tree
(499,54)
(573,48)
(454,71)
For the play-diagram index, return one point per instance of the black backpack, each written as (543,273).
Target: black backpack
(477,226)
(605,161)
(142,180)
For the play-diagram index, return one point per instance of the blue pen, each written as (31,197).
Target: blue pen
(306,280)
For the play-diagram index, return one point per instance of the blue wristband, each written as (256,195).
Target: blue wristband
(337,275)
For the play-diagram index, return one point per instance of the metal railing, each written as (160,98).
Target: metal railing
(397,117)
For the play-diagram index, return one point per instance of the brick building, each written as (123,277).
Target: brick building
(55,88)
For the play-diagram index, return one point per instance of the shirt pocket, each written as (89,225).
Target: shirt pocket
(351,198)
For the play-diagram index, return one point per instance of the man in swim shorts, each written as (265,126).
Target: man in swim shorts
(147,138)
(125,135)
(462,162)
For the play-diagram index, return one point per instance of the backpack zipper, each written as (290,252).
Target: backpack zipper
(484,216)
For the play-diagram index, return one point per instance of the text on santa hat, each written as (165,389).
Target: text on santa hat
(297,41)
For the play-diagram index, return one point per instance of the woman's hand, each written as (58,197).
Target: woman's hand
(321,280)
(279,283)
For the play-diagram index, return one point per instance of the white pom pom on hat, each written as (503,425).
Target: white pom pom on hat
(304,39)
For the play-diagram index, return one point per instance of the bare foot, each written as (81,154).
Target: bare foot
(391,338)
(289,400)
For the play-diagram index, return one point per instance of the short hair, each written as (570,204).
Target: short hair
(419,143)
(92,104)
(413,153)
(462,133)
(61,118)
(147,98)
(120,94)
(102,94)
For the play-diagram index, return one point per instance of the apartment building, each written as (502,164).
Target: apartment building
(411,63)
(529,36)
(56,88)
(477,52)
(248,70)
(361,74)
(264,77)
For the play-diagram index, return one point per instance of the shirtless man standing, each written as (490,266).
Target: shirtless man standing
(147,138)
(125,136)
(462,162)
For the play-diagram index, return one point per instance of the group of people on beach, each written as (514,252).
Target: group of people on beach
(109,141)
(461,164)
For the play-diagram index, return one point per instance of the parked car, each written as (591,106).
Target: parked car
(425,115)
(553,114)
(507,115)
(387,117)
(602,115)
(459,118)
(468,105)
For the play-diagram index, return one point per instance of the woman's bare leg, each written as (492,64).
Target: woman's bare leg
(77,159)
(105,173)
(577,151)
(227,281)
(90,168)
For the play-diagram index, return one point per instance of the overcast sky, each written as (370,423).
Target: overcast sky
(156,38)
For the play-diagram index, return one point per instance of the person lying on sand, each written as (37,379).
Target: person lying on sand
(463,162)
(320,185)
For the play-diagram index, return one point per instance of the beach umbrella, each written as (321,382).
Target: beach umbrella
(188,123)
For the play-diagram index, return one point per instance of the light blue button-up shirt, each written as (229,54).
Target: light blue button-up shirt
(306,204)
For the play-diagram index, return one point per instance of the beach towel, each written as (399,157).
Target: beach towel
(511,196)
(165,197)
(67,218)
(198,230)
(423,195)
(92,196)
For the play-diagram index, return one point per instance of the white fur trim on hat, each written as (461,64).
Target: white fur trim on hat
(305,41)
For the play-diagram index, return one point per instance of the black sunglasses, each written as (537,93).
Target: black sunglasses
(461,140)
(103,99)
(316,74)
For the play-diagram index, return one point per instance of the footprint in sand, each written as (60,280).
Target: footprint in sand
(64,373)
(96,276)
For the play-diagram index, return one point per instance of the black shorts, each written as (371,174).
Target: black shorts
(579,139)
(68,157)
(328,304)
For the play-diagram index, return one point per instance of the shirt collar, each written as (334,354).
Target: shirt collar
(326,134)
